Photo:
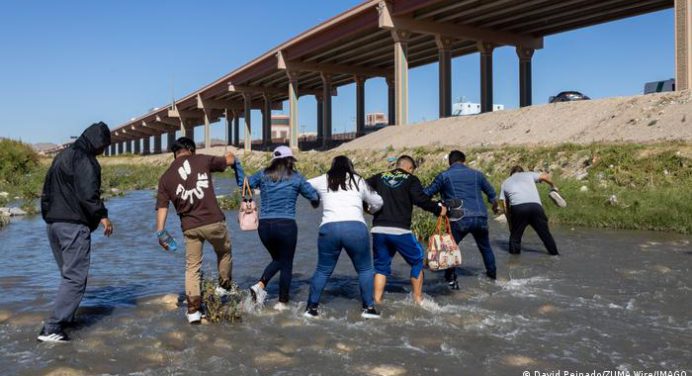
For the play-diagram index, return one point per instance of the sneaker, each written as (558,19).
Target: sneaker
(280,306)
(57,337)
(454,285)
(370,313)
(311,313)
(221,292)
(491,275)
(258,293)
(194,318)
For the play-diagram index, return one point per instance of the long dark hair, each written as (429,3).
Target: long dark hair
(280,168)
(340,173)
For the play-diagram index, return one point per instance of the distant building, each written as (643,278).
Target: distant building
(468,108)
(280,129)
(375,119)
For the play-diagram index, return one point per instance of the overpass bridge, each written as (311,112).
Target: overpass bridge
(384,38)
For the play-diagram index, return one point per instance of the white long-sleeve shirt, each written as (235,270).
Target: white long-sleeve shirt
(345,205)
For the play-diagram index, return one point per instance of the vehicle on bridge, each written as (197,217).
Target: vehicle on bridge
(659,86)
(568,96)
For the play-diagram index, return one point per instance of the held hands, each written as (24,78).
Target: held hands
(107,227)
(496,207)
(443,212)
(230,158)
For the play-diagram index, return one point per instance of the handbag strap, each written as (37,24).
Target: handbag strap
(247,192)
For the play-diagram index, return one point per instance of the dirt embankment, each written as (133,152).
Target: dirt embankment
(640,119)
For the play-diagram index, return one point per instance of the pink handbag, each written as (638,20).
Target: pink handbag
(247,215)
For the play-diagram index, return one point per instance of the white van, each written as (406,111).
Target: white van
(659,86)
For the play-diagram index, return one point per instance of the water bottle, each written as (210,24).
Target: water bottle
(167,239)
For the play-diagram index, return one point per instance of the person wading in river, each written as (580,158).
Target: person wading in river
(523,208)
(279,184)
(467,185)
(391,232)
(187,183)
(342,193)
(71,204)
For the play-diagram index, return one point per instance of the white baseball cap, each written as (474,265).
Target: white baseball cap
(282,152)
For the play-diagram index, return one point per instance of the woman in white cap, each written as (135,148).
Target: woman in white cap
(279,184)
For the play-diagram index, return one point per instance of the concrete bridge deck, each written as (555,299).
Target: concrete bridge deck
(384,38)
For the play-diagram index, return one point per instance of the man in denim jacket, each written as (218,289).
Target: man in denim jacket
(468,185)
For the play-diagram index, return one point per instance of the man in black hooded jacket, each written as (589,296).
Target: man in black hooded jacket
(72,207)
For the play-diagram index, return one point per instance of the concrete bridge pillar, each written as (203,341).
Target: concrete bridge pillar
(128,147)
(137,146)
(236,128)
(267,120)
(207,130)
(683,44)
(247,117)
(391,118)
(444,53)
(525,56)
(120,148)
(401,38)
(146,145)
(360,106)
(157,144)
(228,115)
(189,133)
(486,50)
(320,107)
(170,140)
(293,108)
(326,109)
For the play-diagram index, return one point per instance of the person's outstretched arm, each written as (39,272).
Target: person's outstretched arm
(307,191)
(162,200)
(435,187)
(545,178)
(424,201)
(370,197)
(489,191)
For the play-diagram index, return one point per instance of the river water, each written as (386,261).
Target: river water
(614,300)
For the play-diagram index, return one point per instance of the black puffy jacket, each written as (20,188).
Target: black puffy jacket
(72,189)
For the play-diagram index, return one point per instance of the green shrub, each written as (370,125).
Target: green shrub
(16,160)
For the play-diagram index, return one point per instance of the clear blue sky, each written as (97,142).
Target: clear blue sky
(66,64)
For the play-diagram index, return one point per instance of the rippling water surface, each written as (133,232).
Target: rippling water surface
(612,300)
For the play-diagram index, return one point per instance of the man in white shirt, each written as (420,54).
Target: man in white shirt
(523,208)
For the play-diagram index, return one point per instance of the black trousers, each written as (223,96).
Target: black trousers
(279,236)
(530,214)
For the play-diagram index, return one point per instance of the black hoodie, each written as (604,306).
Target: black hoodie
(400,191)
(72,189)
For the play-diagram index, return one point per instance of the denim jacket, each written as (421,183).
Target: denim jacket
(277,198)
(466,184)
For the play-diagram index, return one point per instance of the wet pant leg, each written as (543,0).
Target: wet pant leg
(71,246)
(329,244)
(217,234)
(539,222)
(520,216)
(357,244)
(279,236)
(479,230)
(194,241)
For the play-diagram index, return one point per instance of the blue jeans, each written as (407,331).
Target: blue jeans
(354,238)
(478,228)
